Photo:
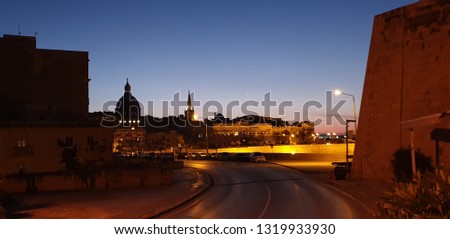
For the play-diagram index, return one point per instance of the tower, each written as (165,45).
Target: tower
(189,113)
(409,53)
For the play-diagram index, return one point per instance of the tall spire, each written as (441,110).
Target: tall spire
(127,87)
(189,102)
(189,113)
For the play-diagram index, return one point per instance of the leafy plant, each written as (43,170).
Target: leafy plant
(425,196)
(402,164)
(69,156)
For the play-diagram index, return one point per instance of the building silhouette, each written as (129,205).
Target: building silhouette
(135,134)
(129,133)
(40,84)
(44,102)
(128,108)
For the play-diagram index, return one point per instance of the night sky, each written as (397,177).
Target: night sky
(223,50)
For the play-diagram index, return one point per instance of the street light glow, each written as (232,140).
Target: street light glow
(338,92)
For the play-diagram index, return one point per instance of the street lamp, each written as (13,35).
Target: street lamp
(338,92)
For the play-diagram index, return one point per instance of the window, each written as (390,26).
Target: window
(68,141)
(22,148)
(21,143)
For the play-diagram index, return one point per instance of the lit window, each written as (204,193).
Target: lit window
(21,143)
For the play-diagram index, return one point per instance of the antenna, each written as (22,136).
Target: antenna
(18,28)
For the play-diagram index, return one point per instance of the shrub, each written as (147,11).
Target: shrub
(403,167)
(425,196)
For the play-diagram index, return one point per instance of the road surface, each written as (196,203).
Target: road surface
(263,190)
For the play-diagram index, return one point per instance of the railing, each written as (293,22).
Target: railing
(23,151)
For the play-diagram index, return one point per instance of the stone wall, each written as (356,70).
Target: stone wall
(407,78)
(107,179)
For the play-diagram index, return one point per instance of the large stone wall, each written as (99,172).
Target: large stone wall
(407,78)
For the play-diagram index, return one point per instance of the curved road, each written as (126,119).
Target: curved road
(264,190)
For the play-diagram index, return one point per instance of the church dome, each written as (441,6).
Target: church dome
(128,106)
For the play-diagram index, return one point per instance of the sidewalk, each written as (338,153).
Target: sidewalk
(367,193)
(141,202)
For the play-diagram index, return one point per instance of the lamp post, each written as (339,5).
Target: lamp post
(206,137)
(338,92)
(347,165)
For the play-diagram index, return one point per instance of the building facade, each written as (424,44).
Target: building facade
(257,134)
(39,149)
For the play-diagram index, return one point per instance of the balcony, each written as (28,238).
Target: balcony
(23,151)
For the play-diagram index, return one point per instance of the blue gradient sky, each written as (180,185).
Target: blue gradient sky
(222,50)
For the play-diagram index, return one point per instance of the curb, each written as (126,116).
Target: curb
(2,207)
(2,212)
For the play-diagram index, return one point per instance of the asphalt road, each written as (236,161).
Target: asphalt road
(263,190)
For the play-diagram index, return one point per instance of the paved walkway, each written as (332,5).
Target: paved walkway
(142,202)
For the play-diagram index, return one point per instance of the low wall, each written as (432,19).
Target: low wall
(287,149)
(114,178)
(305,157)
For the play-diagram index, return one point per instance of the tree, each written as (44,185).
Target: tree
(69,156)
